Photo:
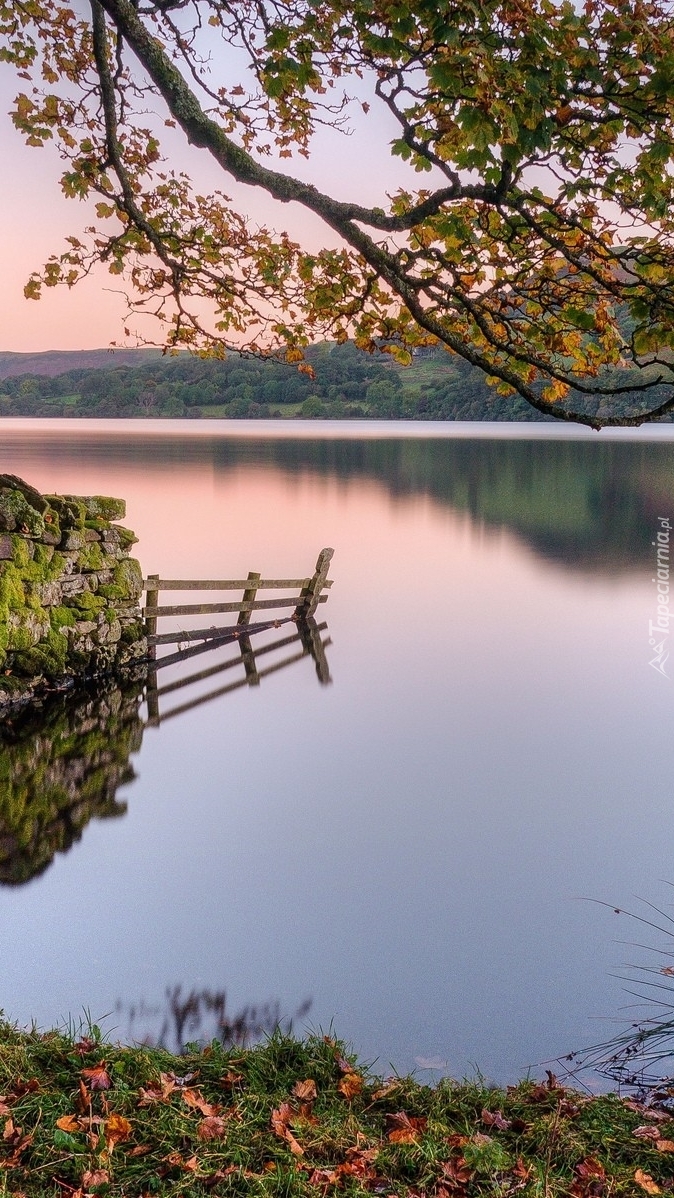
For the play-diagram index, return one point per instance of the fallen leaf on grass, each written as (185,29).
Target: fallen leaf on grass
(405,1129)
(280,1118)
(664,1145)
(646,1182)
(495,1119)
(68,1123)
(646,1133)
(351,1085)
(14,1138)
(385,1090)
(175,1161)
(455,1172)
(306,1090)
(97,1077)
(211,1128)
(116,1130)
(95,1177)
(140,1150)
(4,1109)
(231,1079)
(481,1139)
(84,1046)
(647,1112)
(194,1099)
(457,1140)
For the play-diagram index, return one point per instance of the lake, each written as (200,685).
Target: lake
(403,854)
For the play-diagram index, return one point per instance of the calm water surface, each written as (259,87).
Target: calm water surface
(409,846)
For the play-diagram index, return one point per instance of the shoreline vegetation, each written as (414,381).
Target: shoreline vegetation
(347,384)
(301,1119)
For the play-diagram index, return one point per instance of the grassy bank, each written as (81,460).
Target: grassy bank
(296,1118)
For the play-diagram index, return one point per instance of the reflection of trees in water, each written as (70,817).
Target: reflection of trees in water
(202,1016)
(588,505)
(60,766)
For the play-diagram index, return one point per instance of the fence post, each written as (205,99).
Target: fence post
(309,596)
(151,600)
(310,636)
(248,597)
(248,659)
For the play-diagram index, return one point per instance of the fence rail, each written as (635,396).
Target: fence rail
(304,603)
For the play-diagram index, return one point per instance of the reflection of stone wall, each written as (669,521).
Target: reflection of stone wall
(69,592)
(61,766)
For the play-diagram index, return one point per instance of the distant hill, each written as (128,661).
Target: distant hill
(57,361)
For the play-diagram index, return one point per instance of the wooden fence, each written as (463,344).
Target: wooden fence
(304,603)
(306,637)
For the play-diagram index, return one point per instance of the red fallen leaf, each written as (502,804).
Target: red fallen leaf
(68,1123)
(211,1128)
(456,1172)
(97,1077)
(95,1177)
(194,1099)
(405,1129)
(522,1170)
(306,1090)
(116,1130)
(84,1046)
(590,1168)
(351,1085)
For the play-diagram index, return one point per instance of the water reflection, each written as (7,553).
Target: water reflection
(62,763)
(587,505)
(199,1016)
(61,766)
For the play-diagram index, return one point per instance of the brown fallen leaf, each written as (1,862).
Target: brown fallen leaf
(647,1112)
(385,1090)
(195,1099)
(351,1085)
(481,1139)
(84,1046)
(404,1128)
(280,1118)
(83,1097)
(495,1119)
(306,1090)
(68,1123)
(343,1065)
(211,1128)
(456,1172)
(457,1140)
(116,1130)
(664,1145)
(97,1077)
(140,1150)
(95,1177)
(231,1079)
(646,1182)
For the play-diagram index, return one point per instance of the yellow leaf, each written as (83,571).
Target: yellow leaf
(646,1182)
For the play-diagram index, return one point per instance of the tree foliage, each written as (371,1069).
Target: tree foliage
(539,248)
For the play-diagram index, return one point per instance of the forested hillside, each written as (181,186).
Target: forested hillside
(348,384)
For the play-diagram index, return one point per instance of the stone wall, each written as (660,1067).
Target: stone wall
(69,591)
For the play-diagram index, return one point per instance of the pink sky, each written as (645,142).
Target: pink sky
(35,218)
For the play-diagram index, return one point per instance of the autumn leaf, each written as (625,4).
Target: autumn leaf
(231,1079)
(351,1085)
(116,1130)
(194,1099)
(405,1129)
(140,1150)
(306,1090)
(211,1128)
(385,1090)
(97,1077)
(495,1119)
(280,1118)
(95,1177)
(646,1133)
(664,1145)
(68,1123)
(646,1182)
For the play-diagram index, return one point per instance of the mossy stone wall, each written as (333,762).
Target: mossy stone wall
(69,591)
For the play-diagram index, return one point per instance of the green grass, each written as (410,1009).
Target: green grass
(295,1119)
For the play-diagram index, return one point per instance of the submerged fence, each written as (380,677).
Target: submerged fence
(309,593)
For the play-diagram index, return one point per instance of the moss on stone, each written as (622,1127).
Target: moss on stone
(61,617)
(129,576)
(17,512)
(127,538)
(90,557)
(12,594)
(43,555)
(101,506)
(70,509)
